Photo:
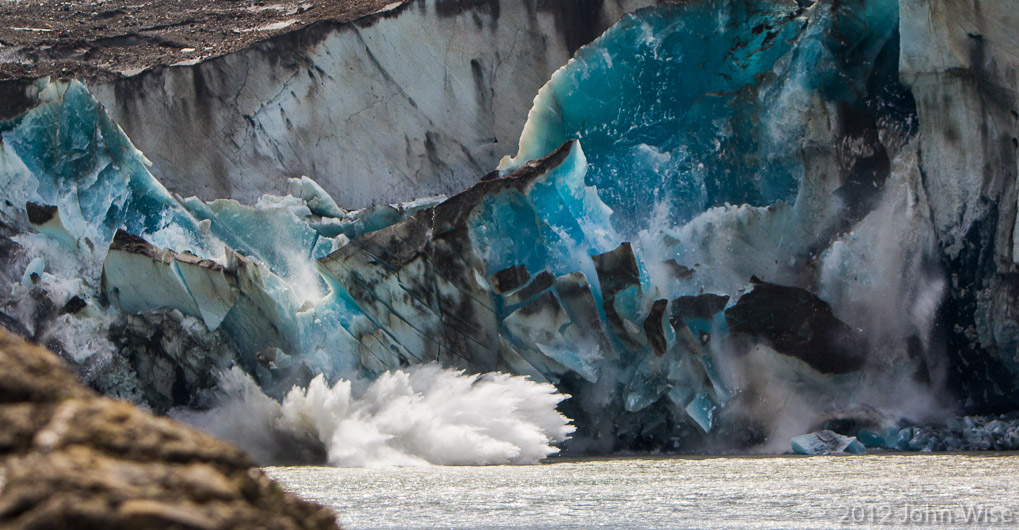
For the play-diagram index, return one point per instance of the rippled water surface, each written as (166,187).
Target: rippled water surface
(892,491)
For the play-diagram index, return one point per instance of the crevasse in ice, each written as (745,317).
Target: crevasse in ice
(711,237)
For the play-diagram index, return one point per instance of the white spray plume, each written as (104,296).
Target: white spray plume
(425,415)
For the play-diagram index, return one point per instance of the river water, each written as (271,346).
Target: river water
(731,493)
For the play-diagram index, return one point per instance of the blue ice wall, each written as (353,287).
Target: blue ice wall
(690,104)
(80,160)
(247,271)
(554,224)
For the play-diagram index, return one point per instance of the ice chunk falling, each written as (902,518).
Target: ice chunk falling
(713,236)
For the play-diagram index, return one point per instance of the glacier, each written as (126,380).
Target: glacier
(448,82)
(717,234)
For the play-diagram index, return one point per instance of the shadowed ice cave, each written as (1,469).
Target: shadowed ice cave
(714,237)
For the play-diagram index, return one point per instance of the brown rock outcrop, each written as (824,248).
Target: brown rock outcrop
(72,459)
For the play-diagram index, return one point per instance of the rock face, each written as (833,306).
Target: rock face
(72,459)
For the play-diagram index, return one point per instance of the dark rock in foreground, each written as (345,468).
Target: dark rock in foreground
(71,459)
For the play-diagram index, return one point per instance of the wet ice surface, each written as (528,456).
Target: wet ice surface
(928,491)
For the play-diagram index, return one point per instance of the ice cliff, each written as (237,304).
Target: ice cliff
(957,59)
(726,224)
(448,81)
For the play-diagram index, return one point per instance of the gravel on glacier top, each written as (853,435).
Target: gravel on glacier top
(112,38)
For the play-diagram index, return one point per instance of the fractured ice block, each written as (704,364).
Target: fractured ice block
(577,298)
(46,219)
(254,306)
(798,323)
(33,272)
(543,326)
(540,283)
(138,276)
(617,272)
(654,330)
(390,276)
(319,202)
(827,443)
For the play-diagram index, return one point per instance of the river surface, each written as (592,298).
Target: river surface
(731,493)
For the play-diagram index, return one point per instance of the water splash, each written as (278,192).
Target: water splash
(425,415)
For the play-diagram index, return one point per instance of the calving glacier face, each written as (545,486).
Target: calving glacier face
(714,237)
(734,143)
